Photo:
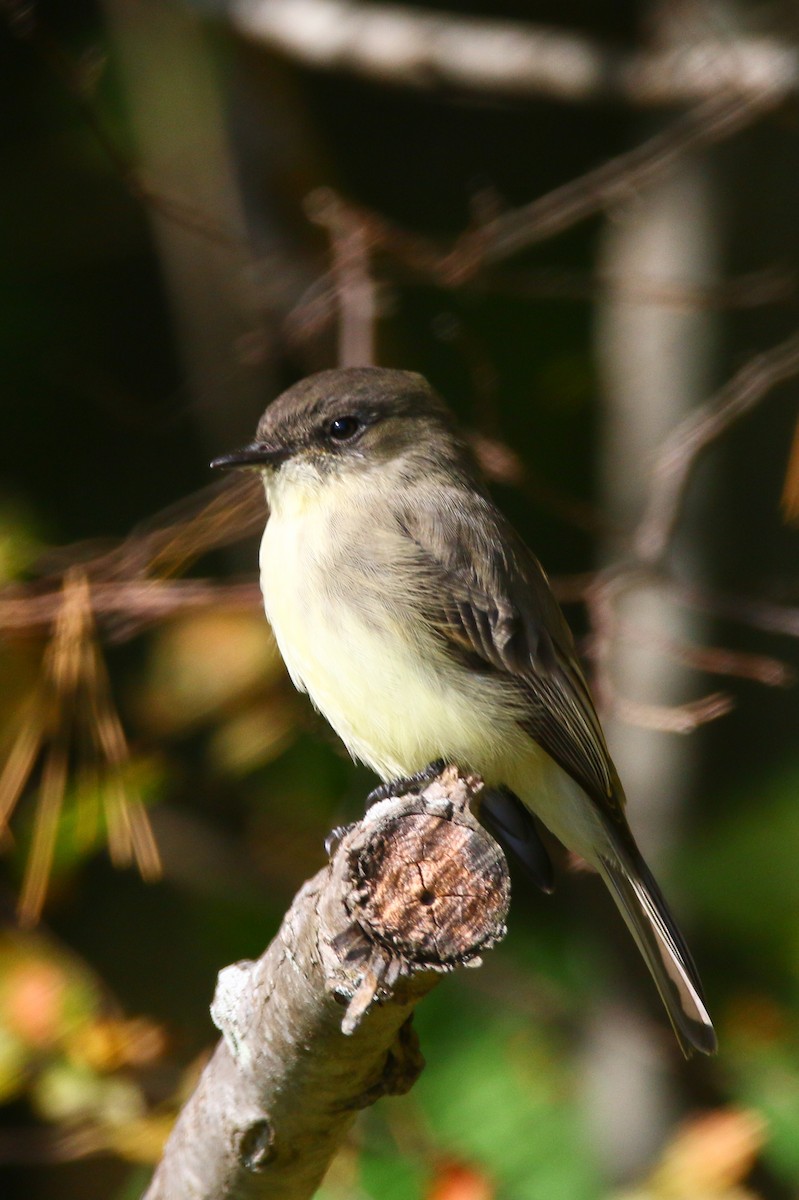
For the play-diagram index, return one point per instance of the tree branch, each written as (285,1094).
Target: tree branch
(319,1026)
(491,242)
(354,287)
(700,429)
(132,603)
(427,50)
(614,181)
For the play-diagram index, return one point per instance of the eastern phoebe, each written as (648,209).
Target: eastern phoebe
(423,629)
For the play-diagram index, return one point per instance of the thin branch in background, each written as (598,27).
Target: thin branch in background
(22,756)
(127,606)
(426,50)
(501,464)
(218,515)
(744,610)
(733,105)
(790,490)
(52,790)
(602,597)
(61,671)
(601,591)
(672,718)
(613,182)
(73,702)
(715,660)
(751,290)
(680,454)
(652,539)
(356,302)
(314,313)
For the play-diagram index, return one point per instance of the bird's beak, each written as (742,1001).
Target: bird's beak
(258,454)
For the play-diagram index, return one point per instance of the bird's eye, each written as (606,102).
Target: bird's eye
(343,428)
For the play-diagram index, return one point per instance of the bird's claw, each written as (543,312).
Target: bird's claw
(410,785)
(336,837)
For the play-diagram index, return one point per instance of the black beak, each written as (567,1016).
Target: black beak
(259,454)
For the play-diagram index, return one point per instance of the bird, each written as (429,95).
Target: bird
(426,632)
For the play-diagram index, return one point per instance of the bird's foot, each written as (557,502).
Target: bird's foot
(336,837)
(411,785)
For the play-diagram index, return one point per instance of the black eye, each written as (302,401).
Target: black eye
(343,428)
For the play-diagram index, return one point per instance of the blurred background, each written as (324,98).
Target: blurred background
(579,221)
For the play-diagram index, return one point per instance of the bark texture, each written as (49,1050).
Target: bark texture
(320,1026)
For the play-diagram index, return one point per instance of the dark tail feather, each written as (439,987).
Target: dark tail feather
(647,916)
(512,824)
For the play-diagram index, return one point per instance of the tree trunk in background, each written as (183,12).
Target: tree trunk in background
(183,161)
(655,363)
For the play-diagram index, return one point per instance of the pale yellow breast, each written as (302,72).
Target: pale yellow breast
(378,675)
(380,679)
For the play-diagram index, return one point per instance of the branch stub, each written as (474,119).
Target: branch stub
(433,890)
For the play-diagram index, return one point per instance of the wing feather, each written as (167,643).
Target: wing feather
(487,597)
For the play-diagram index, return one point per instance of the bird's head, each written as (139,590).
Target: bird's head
(350,421)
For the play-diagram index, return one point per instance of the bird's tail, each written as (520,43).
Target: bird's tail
(665,952)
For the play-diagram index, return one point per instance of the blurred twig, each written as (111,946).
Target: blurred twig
(715,660)
(71,704)
(680,455)
(426,50)
(602,598)
(174,538)
(491,242)
(751,290)
(352,281)
(790,490)
(140,602)
(651,541)
(745,610)
(673,718)
(614,181)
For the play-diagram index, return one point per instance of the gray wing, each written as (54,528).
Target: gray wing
(488,598)
(490,602)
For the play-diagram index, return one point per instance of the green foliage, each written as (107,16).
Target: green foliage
(743,878)
(745,887)
(501,1093)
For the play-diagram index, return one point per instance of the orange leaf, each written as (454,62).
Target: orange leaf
(458,1181)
